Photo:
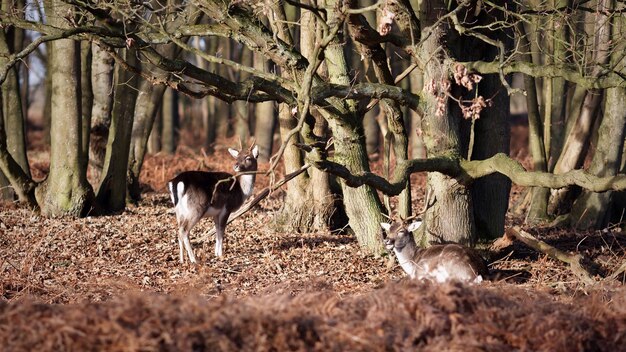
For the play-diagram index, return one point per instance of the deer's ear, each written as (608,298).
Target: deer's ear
(233,152)
(414,225)
(385,226)
(255,151)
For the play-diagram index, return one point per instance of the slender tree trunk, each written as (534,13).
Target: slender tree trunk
(590,210)
(12,108)
(294,213)
(87,96)
(240,107)
(66,190)
(577,142)
(538,209)
(418,149)
(560,37)
(154,142)
(102,90)
(111,195)
(265,119)
(593,210)
(146,107)
(169,113)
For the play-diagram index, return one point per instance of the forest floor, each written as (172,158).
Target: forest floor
(115,283)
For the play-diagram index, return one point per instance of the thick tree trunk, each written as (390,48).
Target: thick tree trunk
(449,217)
(295,213)
(111,195)
(490,195)
(66,190)
(362,204)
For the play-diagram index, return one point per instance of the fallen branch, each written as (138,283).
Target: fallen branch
(264,193)
(573,259)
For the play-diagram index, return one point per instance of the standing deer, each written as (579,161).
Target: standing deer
(197,194)
(439,263)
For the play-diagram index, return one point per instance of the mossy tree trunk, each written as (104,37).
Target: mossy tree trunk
(362,204)
(66,190)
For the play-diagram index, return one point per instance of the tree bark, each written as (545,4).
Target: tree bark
(66,190)
(265,119)
(169,126)
(111,195)
(594,210)
(86,95)
(102,89)
(12,114)
(449,217)
(577,142)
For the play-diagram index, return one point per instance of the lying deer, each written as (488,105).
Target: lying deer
(439,263)
(197,194)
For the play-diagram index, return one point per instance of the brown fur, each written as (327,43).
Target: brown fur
(456,261)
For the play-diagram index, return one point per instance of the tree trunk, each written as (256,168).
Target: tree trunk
(87,96)
(66,190)
(590,210)
(418,149)
(102,89)
(12,111)
(490,195)
(111,195)
(265,119)
(449,217)
(594,210)
(577,142)
(240,107)
(146,107)
(169,114)
(558,34)
(362,204)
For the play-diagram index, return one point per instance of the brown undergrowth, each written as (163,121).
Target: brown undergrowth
(401,316)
